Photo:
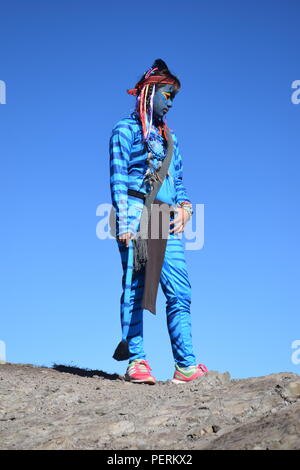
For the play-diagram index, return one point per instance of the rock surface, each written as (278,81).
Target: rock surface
(71,408)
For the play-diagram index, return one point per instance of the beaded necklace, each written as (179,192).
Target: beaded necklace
(157,151)
(157,145)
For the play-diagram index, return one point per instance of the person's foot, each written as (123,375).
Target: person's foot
(138,371)
(187,374)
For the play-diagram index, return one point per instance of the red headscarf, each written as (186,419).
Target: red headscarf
(161,79)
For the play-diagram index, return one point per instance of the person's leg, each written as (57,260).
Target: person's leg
(175,284)
(138,370)
(135,333)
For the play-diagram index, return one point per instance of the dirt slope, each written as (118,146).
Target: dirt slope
(70,408)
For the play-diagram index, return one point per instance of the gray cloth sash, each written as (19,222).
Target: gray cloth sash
(158,232)
(140,240)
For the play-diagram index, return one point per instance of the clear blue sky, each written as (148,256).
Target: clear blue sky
(67,65)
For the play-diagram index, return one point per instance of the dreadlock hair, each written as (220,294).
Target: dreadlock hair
(145,93)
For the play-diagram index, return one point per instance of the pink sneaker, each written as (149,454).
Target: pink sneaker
(187,374)
(138,371)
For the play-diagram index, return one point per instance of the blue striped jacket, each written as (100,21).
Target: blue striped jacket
(128,166)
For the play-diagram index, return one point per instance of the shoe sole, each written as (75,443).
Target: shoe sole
(137,381)
(178,381)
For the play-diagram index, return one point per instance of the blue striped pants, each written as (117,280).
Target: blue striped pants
(176,287)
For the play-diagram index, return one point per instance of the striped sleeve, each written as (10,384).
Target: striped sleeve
(181,193)
(119,150)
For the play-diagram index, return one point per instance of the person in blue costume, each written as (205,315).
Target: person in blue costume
(138,147)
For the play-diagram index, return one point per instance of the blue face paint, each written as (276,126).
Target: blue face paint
(162,100)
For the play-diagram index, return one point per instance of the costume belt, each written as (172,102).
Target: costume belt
(140,195)
(132,192)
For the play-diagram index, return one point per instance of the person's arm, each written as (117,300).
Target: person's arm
(181,192)
(182,199)
(119,150)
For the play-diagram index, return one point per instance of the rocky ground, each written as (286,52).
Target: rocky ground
(70,408)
